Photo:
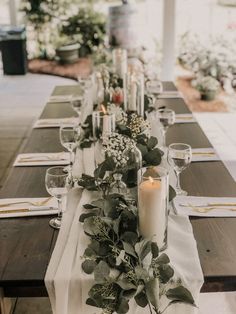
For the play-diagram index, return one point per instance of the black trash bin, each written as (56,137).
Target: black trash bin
(13,47)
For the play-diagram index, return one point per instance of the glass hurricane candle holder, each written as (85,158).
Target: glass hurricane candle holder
(119,59)
(134,93)
(104,124)
(153,199)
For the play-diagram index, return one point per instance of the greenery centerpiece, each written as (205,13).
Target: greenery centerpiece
(125,266)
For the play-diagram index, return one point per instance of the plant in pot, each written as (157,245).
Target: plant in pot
(67,49)
(89,25)
(207,86)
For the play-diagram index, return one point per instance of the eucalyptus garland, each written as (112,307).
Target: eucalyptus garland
(125,265)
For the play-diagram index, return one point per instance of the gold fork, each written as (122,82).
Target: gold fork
(39,203)
(209,207)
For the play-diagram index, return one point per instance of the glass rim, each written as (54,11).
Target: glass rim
(100,113)
(56,175)
(187,146)
(165,110)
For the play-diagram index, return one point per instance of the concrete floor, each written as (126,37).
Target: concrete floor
(22,99)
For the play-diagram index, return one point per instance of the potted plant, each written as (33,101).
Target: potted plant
(207,86)
(67,49)
(89,26)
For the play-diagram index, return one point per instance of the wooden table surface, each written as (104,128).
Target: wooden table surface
(27,243)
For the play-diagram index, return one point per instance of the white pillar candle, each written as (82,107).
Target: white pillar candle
(106,129)
(152,210)
(132,105)
(120,62)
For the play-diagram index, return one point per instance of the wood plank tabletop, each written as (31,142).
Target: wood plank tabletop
(27,243)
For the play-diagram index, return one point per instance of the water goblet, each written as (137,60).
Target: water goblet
(77,103)
(153,88)
(179,157)
(167,118)
(57,186)
(84,82)
(68,139)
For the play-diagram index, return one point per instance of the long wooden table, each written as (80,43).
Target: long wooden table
(26,244)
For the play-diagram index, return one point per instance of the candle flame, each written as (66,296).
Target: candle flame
(103,109)
(151,179)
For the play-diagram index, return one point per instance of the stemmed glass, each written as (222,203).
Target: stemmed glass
(167,118)
(179,156)
(57,186)
(68,138)
(84,82)
(153,88)
(77,103)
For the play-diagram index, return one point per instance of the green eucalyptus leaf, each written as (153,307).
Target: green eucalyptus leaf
(143,149)
(152,291)
(143,248)
(130,237)
(141,299)
(129,249)
(152,142)
(180,294)
(86,215)
(88,266)
(123,306)
(89,206)
(101,272)
(90,227)
(154,249)
(91,302)
(163,259)
(153,158)
(166,272)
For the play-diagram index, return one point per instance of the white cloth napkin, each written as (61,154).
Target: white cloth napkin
(184,118)
(24,207)
(170,94)
(204,154)
(220,129)
(54,123)
(60,98)
(217,303)
(195,206)
(42,159)
(68,286)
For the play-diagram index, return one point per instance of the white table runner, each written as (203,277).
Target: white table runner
(68,286)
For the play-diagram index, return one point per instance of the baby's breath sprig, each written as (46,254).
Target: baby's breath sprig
(138,125)
(115,146)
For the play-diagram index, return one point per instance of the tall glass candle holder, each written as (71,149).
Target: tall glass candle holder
(104,124)
(134,93)
(153,199)
(119,59)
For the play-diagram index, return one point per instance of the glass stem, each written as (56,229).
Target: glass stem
(59,200)
(164,137)
(178,187)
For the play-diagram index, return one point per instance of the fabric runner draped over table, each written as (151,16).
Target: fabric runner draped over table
(66,283)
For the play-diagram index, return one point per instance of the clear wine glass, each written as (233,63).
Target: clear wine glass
(179,157)
(77,103)
(167,118)
(57,186)
(84,82)
(153,88)
(68,139)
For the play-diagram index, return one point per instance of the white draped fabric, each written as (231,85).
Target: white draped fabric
(68,286)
